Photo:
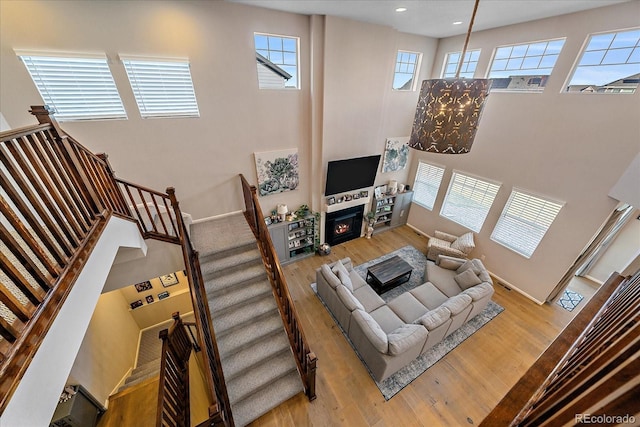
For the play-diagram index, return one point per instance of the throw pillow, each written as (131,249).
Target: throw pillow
(372,330)
(467,279)
(347,298)
(468,264)
(341,271)
(448,262)
(464,243)
(405,337)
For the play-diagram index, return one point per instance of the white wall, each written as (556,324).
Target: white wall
(623,252)
(569,147)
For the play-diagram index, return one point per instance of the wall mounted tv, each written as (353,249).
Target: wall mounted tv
(351,174)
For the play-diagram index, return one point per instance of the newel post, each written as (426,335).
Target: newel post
(43,114)
(311,375)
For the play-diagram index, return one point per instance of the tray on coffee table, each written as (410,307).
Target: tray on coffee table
(388,274)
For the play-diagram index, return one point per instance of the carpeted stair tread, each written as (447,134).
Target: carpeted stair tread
(258,377)
(271,346)
(223,282)
(221,234)
(233,260)
(266,399)
(233,321)
(143,370)
(262,328)
(238,295)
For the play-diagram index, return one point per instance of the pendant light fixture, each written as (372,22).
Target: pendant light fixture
(449,110)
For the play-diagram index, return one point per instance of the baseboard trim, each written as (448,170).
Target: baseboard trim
(504,283)
(417,230)
(210,218)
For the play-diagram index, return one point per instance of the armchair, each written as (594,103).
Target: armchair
(447,244)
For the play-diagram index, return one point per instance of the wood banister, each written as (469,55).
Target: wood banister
(305,359)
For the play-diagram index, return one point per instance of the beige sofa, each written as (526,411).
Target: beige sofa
(388,336)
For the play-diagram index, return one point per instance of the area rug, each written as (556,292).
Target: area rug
(569,300)
(396,382)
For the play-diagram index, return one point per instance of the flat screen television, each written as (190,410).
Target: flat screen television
(351,174)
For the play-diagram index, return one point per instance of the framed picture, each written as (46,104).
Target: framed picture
(331,200)
(267,220)
(348,198)
(149,299)
(277,171)
(143,286)
(364,193)
(136,304)
(163,295)
(169,280)
(396,154)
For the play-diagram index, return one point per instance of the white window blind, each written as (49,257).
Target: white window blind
(468,200)
(524,221)
(427,184)
(162,88)
(77,88)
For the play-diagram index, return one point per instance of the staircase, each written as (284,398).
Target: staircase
(257,362)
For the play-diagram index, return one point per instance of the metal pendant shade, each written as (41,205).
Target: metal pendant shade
(449,110)
(448,114)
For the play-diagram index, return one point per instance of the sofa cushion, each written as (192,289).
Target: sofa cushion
(481,271)
(328,275)
(458,303)
(356,280)
(434,318)
(372,330)
(405,337)
(341,271)
(468,264)
(449,262)
(479,291)
(387,319)
(407,307)
(464,243)
(429,296)
(368,298)
(347,298)
(467,279)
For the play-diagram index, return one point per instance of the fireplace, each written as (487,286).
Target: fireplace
(344,225)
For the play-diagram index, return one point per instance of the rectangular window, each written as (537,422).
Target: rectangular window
(524,221)
(468,65)
(277,61)
(610,63)
(407,64)
(162,88)
(468,200)
(78,88)
(524,67)
(427,184)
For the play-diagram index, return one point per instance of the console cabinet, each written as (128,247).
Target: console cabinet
(391,210)
(294,240)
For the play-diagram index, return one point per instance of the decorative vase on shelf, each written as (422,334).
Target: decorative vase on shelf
(369,231)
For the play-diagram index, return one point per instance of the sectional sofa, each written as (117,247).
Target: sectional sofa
(390,335)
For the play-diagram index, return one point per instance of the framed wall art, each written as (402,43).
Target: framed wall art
(277,171)
(169,280)
(143,286)
(396,154)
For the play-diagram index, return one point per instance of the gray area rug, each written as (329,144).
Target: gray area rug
(396,382)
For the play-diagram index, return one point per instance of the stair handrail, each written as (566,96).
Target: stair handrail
(173,387)
(220,410)
(306,360)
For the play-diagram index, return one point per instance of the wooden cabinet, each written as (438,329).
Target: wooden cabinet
(294,240)
(391,210)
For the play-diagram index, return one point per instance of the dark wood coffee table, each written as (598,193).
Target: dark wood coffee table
(388,274)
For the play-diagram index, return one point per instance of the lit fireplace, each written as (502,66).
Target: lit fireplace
(344,225)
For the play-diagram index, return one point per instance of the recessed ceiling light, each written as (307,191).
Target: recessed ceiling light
(457,23)
(401,9)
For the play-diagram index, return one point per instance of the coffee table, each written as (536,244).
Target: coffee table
(388,274)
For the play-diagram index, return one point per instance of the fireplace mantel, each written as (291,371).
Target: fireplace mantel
(346,205)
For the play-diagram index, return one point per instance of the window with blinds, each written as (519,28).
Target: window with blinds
(524,221)
(427,184)
(162,88)
(468,200)
(77,88)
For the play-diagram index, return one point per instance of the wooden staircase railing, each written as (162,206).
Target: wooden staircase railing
(174,376)
(590,374)
(305,358)
(56,200)
(220,409)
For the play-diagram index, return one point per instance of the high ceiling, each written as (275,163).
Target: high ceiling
(434,18)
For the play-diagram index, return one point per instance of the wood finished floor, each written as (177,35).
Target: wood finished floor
(459,390)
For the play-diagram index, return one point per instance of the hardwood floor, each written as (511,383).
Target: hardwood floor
(459,390)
